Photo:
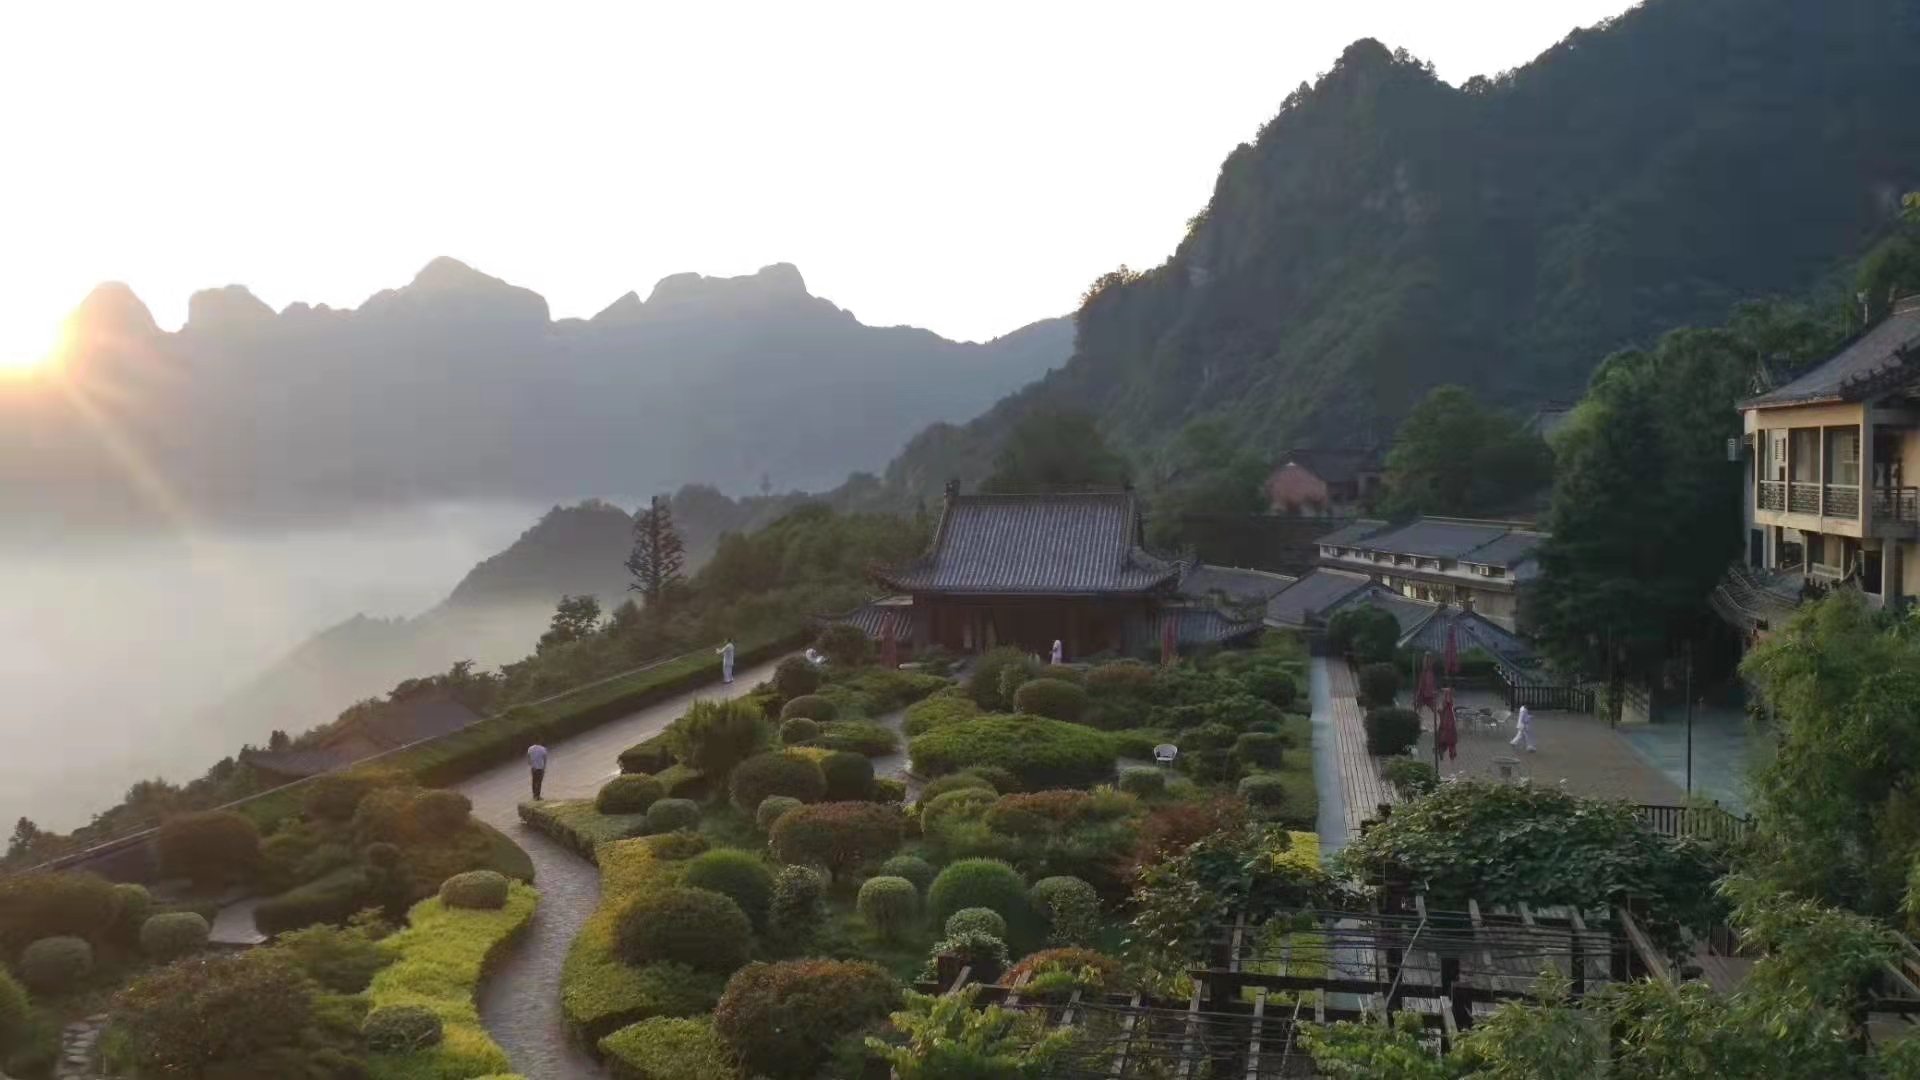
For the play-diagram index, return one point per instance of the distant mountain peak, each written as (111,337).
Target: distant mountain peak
(446,272)
(233,305)
(112,306)
(780,280)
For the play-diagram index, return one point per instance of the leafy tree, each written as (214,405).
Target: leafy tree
(658,560)
(574,618)
(1056,451)
(26,835)
(1457,457)
(949,1039)
(1212,473)
(1364,632)
(714,736)
(1892,269)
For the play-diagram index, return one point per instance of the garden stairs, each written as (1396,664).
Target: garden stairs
(1360,781)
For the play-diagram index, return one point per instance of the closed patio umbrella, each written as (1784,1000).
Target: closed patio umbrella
(1427,694)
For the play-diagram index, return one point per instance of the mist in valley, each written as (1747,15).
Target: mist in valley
(130,658)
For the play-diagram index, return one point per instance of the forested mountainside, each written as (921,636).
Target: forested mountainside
(460,386)
(1387,232)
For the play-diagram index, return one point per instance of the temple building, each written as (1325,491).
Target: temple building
(1029,570)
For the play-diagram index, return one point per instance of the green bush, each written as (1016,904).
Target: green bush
(1391,731)
(1137,743)
(838,836)
(401,1029)
(219,1016)
(1263,790)
(808,707)
(439,958)
(955,782)
(684,782)
(341,960)
(966,804)
(714,736)
(798,730)
(1003,781)
(1366,633)
(173,935)
(912,867)
(887,904)
(845,647)
(210,848)
(849,777)
(1270,684)
(976,920)
(56,965)
(669,814)
(1410,777)
(938,711)
(16,1012)
(628,794)
(650,756)
(783,1020)
(796,678)
(331,899)
(1259,748)
(1379,685)
(771,808)
(1071,908)
(741,876)
(796,911)
(475,890)
(1145,781)
(859,737)
(987,883)
(678,846)
(440,811)
(1208,737)
(775,774)
(382,855)
(335,796)
(890,790)
(986,680)
(668,1048)
(697,927)
(1055,699)
(1041,753)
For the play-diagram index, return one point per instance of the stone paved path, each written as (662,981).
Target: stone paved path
(520,1002)
(1332,824)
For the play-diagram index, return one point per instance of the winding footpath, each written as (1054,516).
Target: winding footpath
(520,1002)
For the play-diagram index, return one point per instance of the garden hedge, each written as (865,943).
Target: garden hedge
(741,876)
(600,993)
(983,883)
(858,737)
(1145,781)
(798,730)
(838,836)
(912,867)
(55,965)
(700,928)
(1055,699)
(668,1049)
(1041,753)
(808,707)
(1391,730)
(976,920)
(888,905)
(770,810)
(173,935)
(441,956)
(648,756)
(333,898)
(475,890)
(577,825)
(782,1020)
(938,711)
(628,795)
(670,814)
(775,774)
(849,777)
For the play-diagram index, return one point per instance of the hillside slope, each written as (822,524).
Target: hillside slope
(1387,232)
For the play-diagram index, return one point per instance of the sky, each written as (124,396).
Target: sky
(968,168)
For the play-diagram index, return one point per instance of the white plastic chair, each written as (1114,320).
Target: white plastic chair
(1165,753)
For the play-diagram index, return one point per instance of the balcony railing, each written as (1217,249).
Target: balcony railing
(1896,504)
(1803,498)
(1772,496)
(1842,500)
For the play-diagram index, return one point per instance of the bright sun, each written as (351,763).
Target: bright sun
(27,349)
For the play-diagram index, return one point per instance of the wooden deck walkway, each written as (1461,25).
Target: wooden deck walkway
(1359,776)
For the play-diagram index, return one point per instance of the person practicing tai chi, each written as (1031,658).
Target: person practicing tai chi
(537,762)
(1059,654)
(1523,729)
(726,661)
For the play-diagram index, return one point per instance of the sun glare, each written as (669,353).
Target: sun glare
(29,350)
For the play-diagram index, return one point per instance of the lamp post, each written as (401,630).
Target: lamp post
(1689,718)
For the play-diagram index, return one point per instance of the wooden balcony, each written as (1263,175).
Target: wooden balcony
(1772,495)
(1803,498)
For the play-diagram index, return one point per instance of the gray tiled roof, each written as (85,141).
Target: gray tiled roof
(1495,543)
(1407,612)
(1207,626)
(1515,547)
(1244,586)
(1310,596)
(1472,630)
(871,620)
(1351,533)
(1036,544)
(1861,368)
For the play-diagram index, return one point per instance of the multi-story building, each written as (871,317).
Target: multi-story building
(1834,463)
(1478,566)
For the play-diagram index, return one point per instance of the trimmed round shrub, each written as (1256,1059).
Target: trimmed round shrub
(1410,777)
(713,736)
(1040,753)
(809,707)
(954,782)
(887,904)
(1208,737)
(996,675)
(859,737)
(1259,748)
(131,906)
(697,927)
(667,1048)
(16,1012)
(670,814)
(890,790)
(1145,781)
(651,756)
(741,876)
(1263,790)
(208,847)
(1379,684)
(1391,731)
(798,892)
(441,811)
(678,845)
(962,805)
(796,678)
(937,711)
(335,796)
(849,777)
(987,883)
(1055,699)
(838,835)
(1071,908)
(628,794)
(798,730)
(976,920)
(478,890)
(775,774)
(56,964)
(912,867)
(401,1029)
(174,934)
(1270,684)
(1003,781)
(683,782)
(782,1020)
(382,855)
(771,808)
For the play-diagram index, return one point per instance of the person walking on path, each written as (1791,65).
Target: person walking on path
(537,761)
(726,661)
(1059,654)
(1523,729)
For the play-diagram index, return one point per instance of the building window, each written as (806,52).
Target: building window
(1805,451)
(1843,456)
(1816,549)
